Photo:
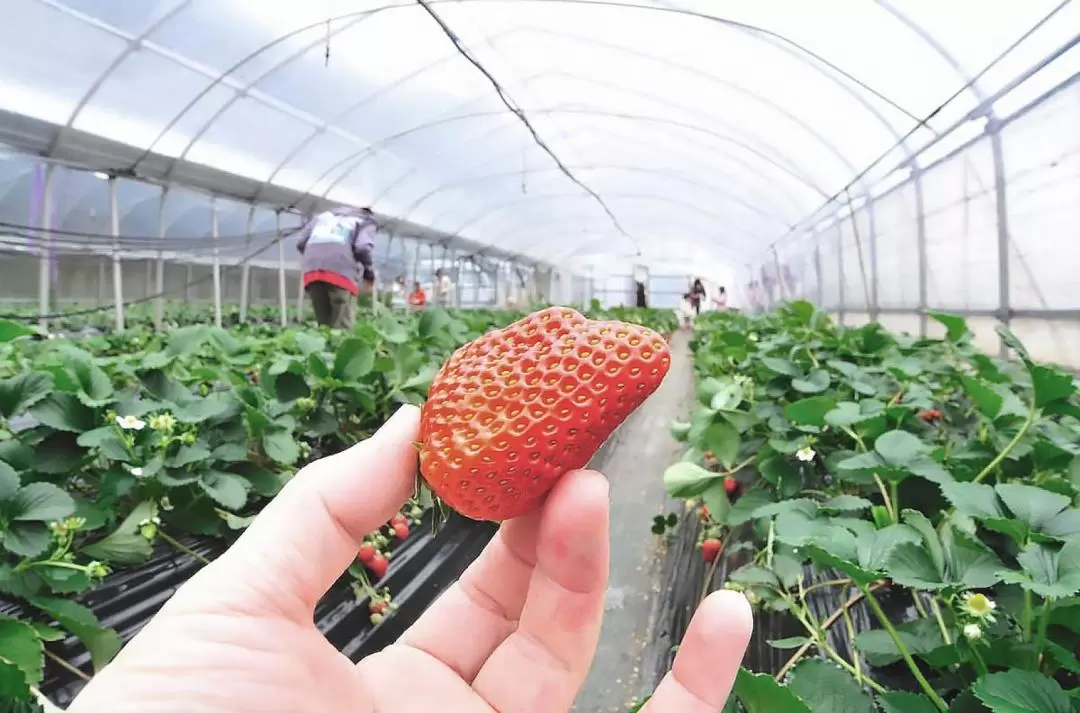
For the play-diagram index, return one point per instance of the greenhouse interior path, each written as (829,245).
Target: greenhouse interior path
(634,459)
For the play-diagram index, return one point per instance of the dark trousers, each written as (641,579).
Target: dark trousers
(334,306)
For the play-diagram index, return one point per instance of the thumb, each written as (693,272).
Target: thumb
(307,536)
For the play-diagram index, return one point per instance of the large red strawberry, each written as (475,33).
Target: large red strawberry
(511,412)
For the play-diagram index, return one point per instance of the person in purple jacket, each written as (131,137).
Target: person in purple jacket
(335,243)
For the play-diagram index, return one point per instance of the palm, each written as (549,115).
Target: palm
(517,632)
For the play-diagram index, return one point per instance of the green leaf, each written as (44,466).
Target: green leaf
(955,326)
(187,340)
(792,642)
(743,510)
(760,693)
(64,412)
(921,636)
(973,499)
(28,539)
(289,387)
(899,448)
(716,499)
(919,522)
(727,398)
(20,392)
(41,502)
(847,503)
(1033,506)
(988,401)
(354,360)
(723,440)
(781,366)
(102,643)
(187,455)
(1050,385)
(680,430)
(387,326)
(845,414)
(1019,691)
(432,322)
(688,480)
(901,702)
(910,565)
(94,387)
(9,482)
(281,447)
(1048,572)
(10,331)
(824,688)
(226,489)
(810,411)
(125,545)
(816,382)
(20,645)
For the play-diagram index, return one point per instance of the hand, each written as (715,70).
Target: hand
(517,632)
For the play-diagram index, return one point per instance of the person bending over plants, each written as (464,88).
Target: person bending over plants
(517,632)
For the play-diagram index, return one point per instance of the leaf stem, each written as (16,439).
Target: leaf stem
(1028,615)
(1040,638)
(885,497)
(855,658)
(66,665)
(940,620)
(1008,448)
(829,583)
(902,648)
(182,547)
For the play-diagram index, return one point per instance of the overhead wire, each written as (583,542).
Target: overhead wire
(514,109)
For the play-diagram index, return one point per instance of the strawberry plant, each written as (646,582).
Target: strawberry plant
(115,444)
(894,469)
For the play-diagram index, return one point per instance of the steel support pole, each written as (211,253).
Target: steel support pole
(283,300)
(44,260)
(819,288)
(841,292)
(245,269)
(779,274)
(456,267)
(920,226)
(993,128)
(117,265)
(215,261)
(159,281)
(873,306)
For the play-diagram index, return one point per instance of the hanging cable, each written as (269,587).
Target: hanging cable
(513,108)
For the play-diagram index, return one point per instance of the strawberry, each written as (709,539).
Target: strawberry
(399,518)
(379,606)
(366,553)
(511,412)
(930,415)
(401,531)
(377,619)
(704,512)
(731,485)
(378,565)
(710,548)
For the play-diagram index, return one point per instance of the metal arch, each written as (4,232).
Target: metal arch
(408,174)
(353,107)
(737,88)
(579,249)
(773,206)
(731,130)
(133,45)
(633,117)
(692,207)
(243,92)
(693,127)
(487,212)
(776,39)
(746,231)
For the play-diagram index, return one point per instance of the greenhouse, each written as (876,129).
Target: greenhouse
(319,319)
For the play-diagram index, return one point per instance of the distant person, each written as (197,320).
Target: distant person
(442,288)
(686,311)
(335,245)
(642,299)
(721,299)
(697,295)
(417,298)
(398,298)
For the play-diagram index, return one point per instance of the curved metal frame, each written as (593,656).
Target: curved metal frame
(607,133)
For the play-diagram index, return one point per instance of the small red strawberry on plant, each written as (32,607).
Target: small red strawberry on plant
(704,513)
(711,549)
(401,530)
(512,412)
(378,565)
(366,553)
(932,415)
(731,486)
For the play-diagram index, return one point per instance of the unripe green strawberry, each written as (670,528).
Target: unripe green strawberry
(512,412)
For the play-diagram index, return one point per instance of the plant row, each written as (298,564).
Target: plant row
(883,468)
(112,443)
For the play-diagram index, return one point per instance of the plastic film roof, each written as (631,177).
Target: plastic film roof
(676,131)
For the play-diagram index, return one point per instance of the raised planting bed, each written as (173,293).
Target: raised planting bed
(901,512)
(128,460)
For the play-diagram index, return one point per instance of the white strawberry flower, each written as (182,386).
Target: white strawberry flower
(972,631)
(805,454)
(136,471)
(130,423)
